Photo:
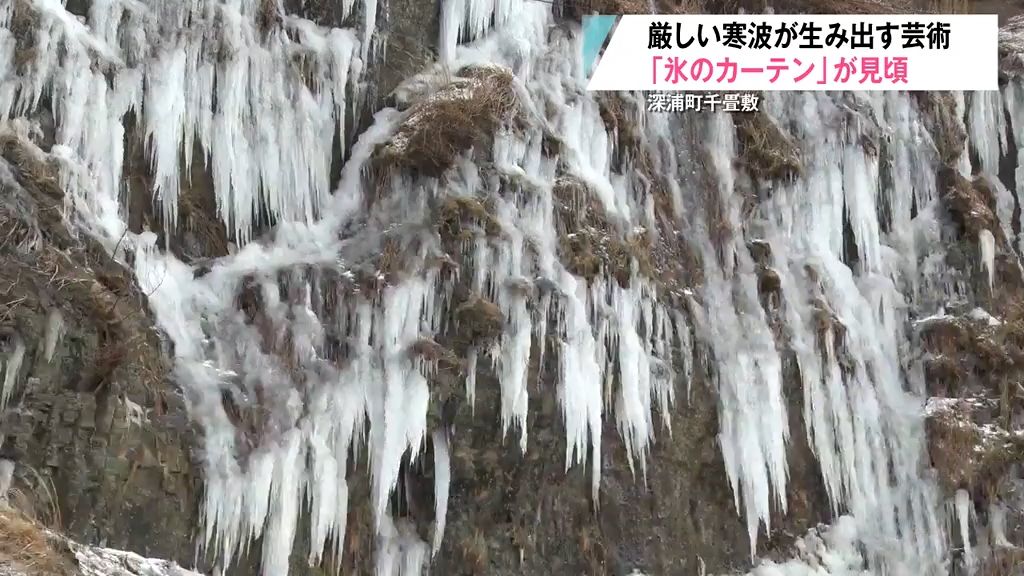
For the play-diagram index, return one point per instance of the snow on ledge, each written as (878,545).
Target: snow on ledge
(109,562)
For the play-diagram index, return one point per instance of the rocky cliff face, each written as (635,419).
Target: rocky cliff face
(99,441)
(377,286)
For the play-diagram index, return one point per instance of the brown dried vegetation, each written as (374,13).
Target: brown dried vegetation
(461,116)
(666,257)
(460,219)
(621,117)
(589,244)
(767,151)
(25,545)
(269,17)
(474,552)
(1002,562)
(479,319)
(101,292)
(964,454)
(24,23)
(430,351)
(970,203)
(940,118)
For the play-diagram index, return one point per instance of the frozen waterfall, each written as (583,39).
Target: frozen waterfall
(330,374)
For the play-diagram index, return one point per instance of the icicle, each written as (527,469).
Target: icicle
(752,411)
(467,20)
(54,332)
(6,479)
(369,26)
(987,242)
(442,483)
(997,524)
(580,390)
(986,127)
(284,501)
(832,551)
(452,14)
(471,357)
(964,514)
(633,404)
(400,552)
(12,367)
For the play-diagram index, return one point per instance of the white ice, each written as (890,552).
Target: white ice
(12,368)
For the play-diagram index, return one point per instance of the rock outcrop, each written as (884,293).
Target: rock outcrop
(98,435)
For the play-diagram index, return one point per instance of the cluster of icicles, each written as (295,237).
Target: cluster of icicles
(211,73)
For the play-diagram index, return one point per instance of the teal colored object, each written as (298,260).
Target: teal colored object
(596,30)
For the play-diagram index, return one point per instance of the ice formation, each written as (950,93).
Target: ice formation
(94,561)
(831,552)
(6,477)
(987,243)
(12,366)
(260,109)
(997,525)
(54,332)
(964,513)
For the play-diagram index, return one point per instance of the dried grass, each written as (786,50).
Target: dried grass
(575,206)
(461,219)
(943,374)
(938,110)
(767,151)
(33,172)
(108,357)
(78,272)
(26,545)
(589,244)
(18,229)
(971,203)
(430,351)
(42,490)
(197,213)
(268,17)
(964,455)
(951,444)
(1002,562)
(621,118)
(461,116)
(391,262)
(827,322)
(24,24)
(768,281)
(479,319)
(474,553)
(387,267)
(720,229)
(946,336)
